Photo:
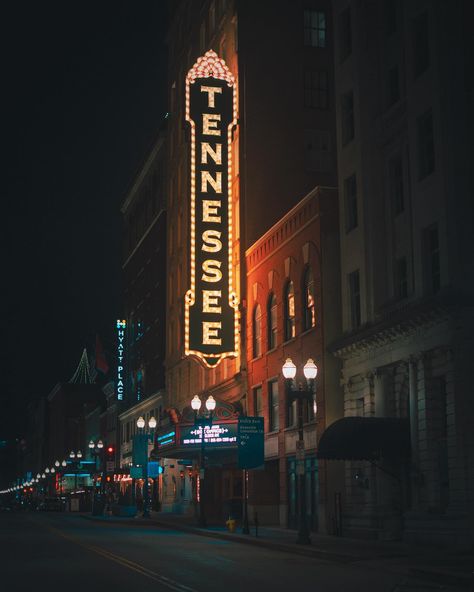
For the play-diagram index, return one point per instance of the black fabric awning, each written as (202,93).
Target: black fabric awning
(365,438)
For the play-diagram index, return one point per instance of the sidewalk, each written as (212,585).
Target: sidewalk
(444,566)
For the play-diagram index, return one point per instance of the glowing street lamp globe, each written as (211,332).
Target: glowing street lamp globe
(310,370)
(152,423)
(210,403)
(289,369)
(140,422)
(196,403)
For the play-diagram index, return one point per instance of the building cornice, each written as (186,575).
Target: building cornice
(393,324)
(293,222)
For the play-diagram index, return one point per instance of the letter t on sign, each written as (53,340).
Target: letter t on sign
(211,91)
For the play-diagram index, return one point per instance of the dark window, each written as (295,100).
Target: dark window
(421,44)
(289,300)
(257,331)
(393,86)
(391,16)
(396,184)
(345,34)
(316,89)
(273,407)
(315,31)
(426,153)
(272,321)
(309,308)
(291,413)
(257,402)
(350,202)
(401,278)
(354,298)
(432,259)
(347,109)
(317,153)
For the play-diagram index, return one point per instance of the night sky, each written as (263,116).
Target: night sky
(83,97)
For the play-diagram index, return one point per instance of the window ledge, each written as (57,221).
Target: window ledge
(273,433)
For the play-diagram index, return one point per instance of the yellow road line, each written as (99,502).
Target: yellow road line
(172,584)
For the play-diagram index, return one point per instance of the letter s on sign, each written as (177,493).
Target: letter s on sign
(211,269)
(211,242)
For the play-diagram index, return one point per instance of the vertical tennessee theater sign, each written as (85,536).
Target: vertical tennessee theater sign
(211,307)
(121,327)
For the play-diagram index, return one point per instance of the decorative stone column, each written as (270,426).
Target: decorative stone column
(413,410)
(380,392)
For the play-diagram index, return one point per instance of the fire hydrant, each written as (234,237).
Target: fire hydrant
(230,523)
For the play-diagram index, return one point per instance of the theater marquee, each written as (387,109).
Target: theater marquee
(211,307)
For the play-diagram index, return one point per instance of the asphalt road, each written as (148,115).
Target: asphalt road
(40,551)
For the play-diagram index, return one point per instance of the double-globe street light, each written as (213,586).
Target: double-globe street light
(299,394)
(202,421)
(147,435)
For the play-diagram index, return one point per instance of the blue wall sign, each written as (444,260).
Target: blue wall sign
(251,449)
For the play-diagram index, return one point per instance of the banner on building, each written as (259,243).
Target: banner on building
(211,303)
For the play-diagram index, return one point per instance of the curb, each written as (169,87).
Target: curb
(447,578)
(257,542)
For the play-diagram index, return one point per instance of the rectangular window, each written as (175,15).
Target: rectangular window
(345,34)
(257,402)
(401,278)
(291,413)
(316,89)
(315,31)
(432,264)
(273,406)
(317,150)
(347,117)
(426,153)
(391,16)
(350,202)
(396,184)
(421,44)
(273,327)
(393,86)
(354,298)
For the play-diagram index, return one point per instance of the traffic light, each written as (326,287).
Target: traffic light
(110,453)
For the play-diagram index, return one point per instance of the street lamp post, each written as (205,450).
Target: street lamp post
(149,435)
(76,458)
(202,422)
(96,448)
(299,394)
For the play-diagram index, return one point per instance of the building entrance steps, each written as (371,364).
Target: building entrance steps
(448,566)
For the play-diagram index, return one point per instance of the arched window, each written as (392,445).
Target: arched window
(309,309)
(290,327)
(272,321)
(257,331)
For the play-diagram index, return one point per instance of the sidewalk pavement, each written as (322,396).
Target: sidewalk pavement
(446,566)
